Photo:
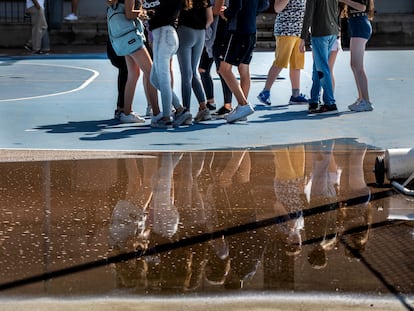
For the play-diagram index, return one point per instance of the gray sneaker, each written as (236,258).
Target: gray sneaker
(240,113)
(181,117)
(361,105)
(202,115)
(160,123)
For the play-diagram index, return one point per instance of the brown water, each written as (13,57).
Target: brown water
(301,228)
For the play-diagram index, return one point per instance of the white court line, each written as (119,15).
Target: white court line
(82,86)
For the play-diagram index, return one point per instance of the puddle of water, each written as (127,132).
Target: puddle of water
(301,220)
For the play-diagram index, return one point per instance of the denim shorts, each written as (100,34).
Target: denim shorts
(359,27)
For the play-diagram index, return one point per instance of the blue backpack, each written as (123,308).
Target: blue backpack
(126,35)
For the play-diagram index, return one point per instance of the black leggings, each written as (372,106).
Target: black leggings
(206,63)
(120,63)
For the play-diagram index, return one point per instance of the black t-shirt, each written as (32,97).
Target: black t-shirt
(196,17)
(163,12)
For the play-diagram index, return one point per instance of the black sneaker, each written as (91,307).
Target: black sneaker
(223,111)
(313,107)
(211,106)
(327,109)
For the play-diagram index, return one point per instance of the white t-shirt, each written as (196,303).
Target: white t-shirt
(29,3)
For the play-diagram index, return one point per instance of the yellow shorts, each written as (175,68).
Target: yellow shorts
(287,53)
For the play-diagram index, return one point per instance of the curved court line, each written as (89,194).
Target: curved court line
(82,86)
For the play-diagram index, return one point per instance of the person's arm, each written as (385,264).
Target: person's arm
(218,7)
(307,22)
(356,5)
(209,17)
(231,12)
(111,2)
(131,11)
(280,5)
(36,4)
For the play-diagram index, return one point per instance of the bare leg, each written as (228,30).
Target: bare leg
(143,60)
(357,48)
(133,75)
(231,80)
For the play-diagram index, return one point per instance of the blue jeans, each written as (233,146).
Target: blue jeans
(165,45)
(321,75)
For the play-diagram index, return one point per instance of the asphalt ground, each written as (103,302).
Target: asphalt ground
(65,101)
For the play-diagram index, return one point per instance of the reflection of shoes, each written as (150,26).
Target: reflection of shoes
(327,109)
(298,100)
(181,117)
(361,105)
(264,97)
(211,106)
(133,117)
(71,17)
(222,112)
(202,115)
(239,113)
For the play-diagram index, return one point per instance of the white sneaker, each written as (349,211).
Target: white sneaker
(71,17)
(133,117)
(239,113)
(362,105)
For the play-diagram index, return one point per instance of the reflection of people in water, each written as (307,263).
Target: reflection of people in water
(288,185)
(321,190)
(348,216)
(354,216)
(128,228)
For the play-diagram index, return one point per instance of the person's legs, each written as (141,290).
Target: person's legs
(196,84)
(357,49)
(165,44)
(332,60)
(39,26)
(204,69)
(233,84)
(321,47)
(143,60)
(186,38)
(75,7)
(133,75)
(120,63)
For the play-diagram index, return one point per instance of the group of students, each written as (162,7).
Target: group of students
(292,25)
(180,27)
(203,32)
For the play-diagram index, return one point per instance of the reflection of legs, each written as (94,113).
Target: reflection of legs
(289,163)
(165,215)
(288,186)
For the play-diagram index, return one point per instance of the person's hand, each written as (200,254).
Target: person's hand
(111,2)
(302,48)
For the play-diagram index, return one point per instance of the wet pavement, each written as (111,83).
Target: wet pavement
(282,212)
(282,227)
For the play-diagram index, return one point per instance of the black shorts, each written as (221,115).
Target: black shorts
(238,48)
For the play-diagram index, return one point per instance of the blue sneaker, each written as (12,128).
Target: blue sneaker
(298,100)
(264,97)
